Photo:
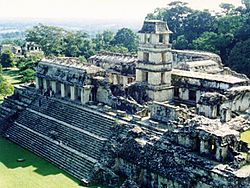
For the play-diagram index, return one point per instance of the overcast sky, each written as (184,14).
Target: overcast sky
(129,10)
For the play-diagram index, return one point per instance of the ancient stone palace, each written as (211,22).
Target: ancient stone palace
(163,118)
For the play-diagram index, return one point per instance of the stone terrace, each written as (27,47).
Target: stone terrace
(68,135)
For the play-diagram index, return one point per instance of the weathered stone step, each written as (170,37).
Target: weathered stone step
(51,151)
(75,139)
(78,117)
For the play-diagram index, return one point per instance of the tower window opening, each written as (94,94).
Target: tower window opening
(145,56)
(145,76)
(162,78)
(161,39)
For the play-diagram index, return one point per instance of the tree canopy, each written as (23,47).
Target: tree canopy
(7,59)
(224,33)
(56,41)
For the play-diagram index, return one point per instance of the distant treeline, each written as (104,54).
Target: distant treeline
(226,33)
(6,37)
(60,42)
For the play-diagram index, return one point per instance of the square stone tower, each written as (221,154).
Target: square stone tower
(154,64)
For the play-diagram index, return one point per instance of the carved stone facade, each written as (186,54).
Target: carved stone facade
(167,118)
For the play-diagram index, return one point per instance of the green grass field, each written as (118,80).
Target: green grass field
(34,172)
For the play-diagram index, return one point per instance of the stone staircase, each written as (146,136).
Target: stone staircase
(76,115)
(13,104)
(68,135)
(64,133)
(75,163)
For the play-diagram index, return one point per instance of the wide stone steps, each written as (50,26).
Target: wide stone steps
(7,110)
(81,118)
(4,111)
(80,141)
(75,163)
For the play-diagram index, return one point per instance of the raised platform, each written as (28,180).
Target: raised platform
(68,135)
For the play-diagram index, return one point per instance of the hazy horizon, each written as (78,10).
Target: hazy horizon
(96,10)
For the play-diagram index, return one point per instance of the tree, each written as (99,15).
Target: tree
(227,8)
(197,23)
(246,3)
(207,42)
(28,75)
(5,87)
(49,38)
(226,33)
(174,14)
(7,59)
(239,58)
(181,43)
(126,38)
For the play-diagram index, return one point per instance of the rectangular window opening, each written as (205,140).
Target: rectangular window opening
(162,78)
(192,95)
(161,39)
(145,56)
(176,92)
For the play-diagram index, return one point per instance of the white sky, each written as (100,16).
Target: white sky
(93,9)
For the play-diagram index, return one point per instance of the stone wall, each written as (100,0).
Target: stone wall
(162,163)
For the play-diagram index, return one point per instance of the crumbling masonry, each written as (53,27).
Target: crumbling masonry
(164,118)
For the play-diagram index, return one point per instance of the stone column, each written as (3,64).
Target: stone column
(221,152)
(72,93)
(204,145)
(53,86)
(225,115)
(85,92)
(63,90)
(115,79)
(45,85)
(166,39)
(125,80)
(37,83)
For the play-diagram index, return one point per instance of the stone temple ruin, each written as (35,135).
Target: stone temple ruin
(164,118)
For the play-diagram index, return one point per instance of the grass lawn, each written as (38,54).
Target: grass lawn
(12,75)
(34,172)
(245,136)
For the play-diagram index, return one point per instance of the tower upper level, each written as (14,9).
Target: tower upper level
(154,32)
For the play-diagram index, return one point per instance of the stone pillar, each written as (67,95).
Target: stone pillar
(72,93)
(225,115)
(115,79)
(45,85)
(85,92)
(63,90)
(53,86)
(204,145)
(166,39)
(125,80)
(37,83)
(221,152)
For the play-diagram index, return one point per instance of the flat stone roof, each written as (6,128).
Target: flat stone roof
(229,79)
(155,26)
(240,88)
(202,63)
(116,58)
(72,63)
